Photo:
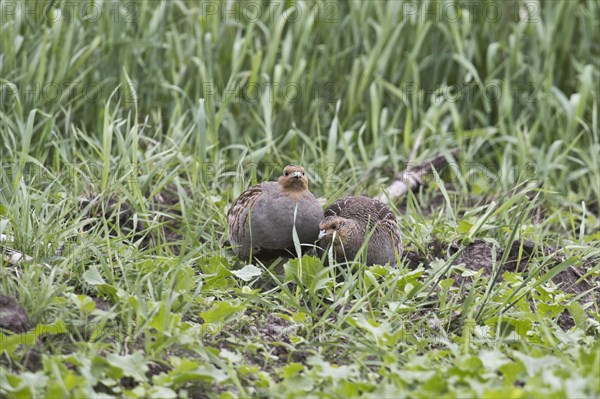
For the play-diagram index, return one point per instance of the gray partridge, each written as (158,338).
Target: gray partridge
(350,220)
(264,215)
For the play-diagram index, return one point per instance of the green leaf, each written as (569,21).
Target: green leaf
(292,369)
(308,272)
(222,311)
(93,277)
(215,272)
(493,360)
(133,365)
(186,370)
(333,371)
(232,357)
(464,227)
(50,329)
(247,273)
(10,342)
(159,392)
(578,314)
(158,321)
(534,365)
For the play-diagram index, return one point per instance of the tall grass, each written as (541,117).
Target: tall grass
(167,110)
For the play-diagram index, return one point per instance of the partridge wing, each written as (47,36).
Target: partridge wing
(236,216)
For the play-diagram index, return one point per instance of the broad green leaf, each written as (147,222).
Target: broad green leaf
(222,311)
(247,273)
(133,365)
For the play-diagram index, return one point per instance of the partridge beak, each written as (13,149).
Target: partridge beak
(297,175)
(322,234)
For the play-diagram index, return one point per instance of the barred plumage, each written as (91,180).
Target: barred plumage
(351,220)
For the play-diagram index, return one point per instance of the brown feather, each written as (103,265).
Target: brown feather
(354,219)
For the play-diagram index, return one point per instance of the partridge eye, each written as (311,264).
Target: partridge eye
(334,226)
(287,173)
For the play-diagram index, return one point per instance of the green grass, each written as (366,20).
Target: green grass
(164,112)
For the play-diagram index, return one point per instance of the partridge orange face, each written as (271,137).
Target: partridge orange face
(293,178)
(335,229)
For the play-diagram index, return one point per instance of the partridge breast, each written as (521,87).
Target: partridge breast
(264,216)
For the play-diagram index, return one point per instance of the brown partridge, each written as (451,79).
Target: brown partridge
(351,220)
(263,217)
